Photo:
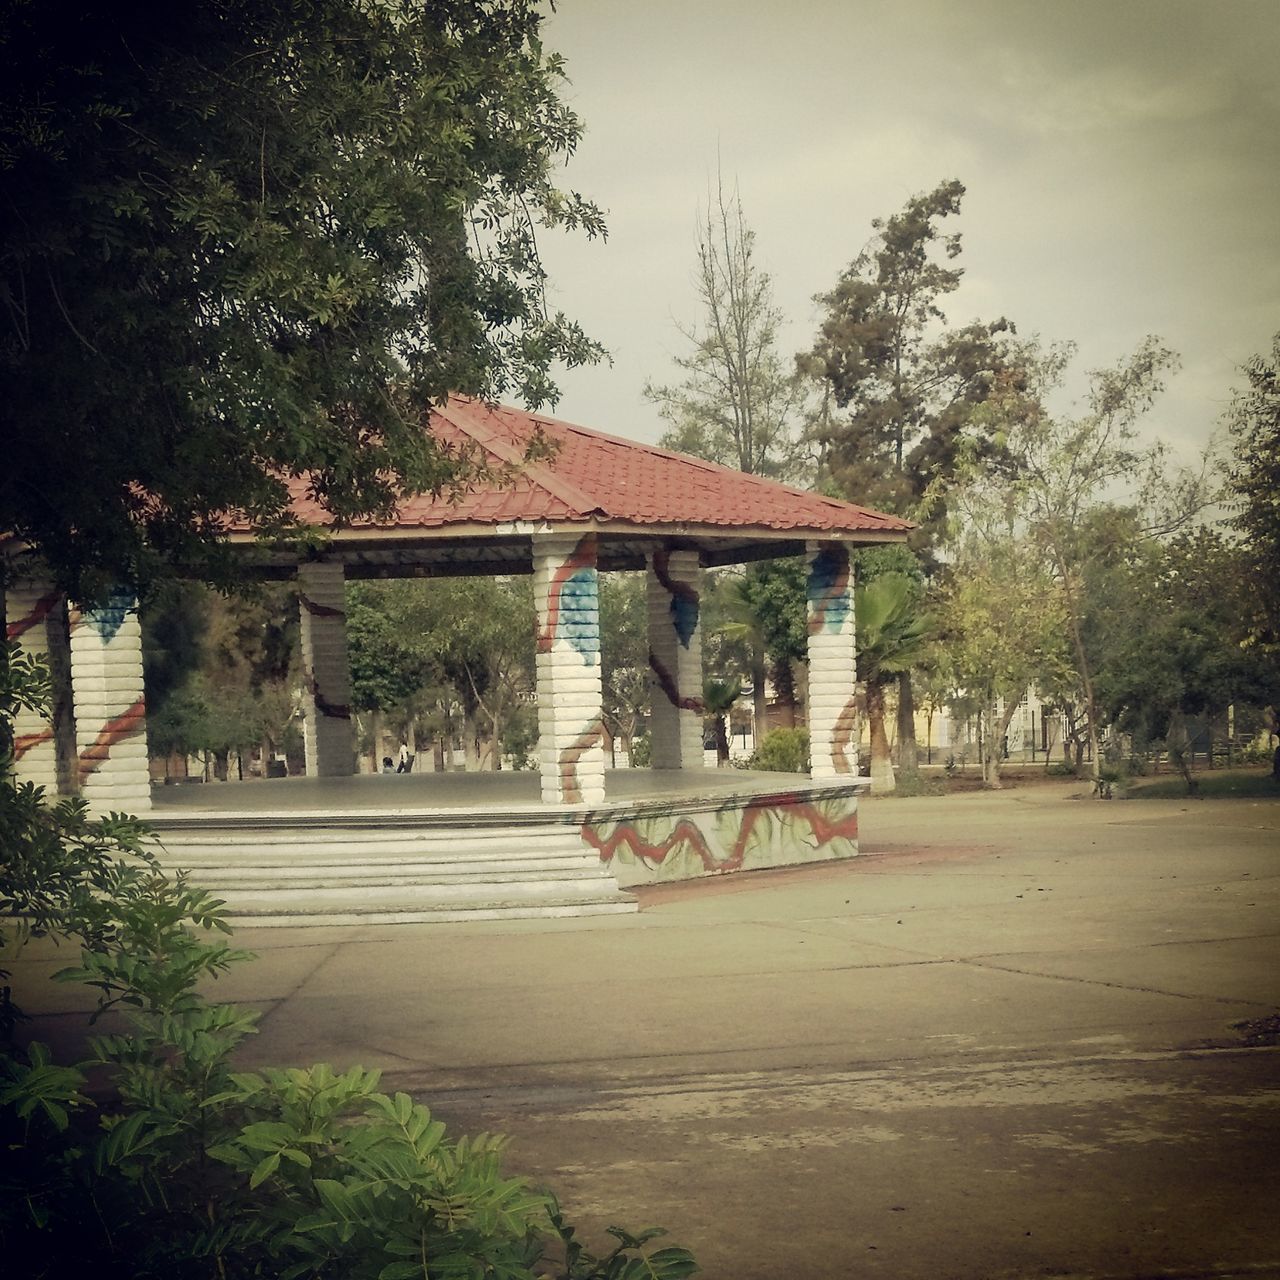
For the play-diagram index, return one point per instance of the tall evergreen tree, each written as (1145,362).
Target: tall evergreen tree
(905,385)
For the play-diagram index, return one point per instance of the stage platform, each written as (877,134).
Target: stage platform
(450,846)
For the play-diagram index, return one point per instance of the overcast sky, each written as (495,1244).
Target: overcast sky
(1122,160)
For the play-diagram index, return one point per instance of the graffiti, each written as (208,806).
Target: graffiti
(331,710)
(828,589)
(25,742)
(846,727)
(126,725)
(574,590)
(317,610)
(39,613)
(684,599)
(108,619)
(772,831)
(591,736)
(667,682)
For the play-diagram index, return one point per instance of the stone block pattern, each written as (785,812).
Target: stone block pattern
(328,733)
(675,659)
(110,709)
(31,610)
(833,717)
(566,598)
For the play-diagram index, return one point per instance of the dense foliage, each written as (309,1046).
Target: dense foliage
(154,1157)
(242,241)
(1254,483)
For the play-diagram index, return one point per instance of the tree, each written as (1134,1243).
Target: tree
(1084,489)
(891,636)
(908,384)
(624,656)
(771,606)
(243,242)
(743,625)
(736,401)
(218,672)
(473,634)
(718,697)
(1254,482)
(1179,644)
(1001,628)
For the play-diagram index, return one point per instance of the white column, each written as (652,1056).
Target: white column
(833,729)
(570,730)
(110,710)
(328,733)
(675,659)
(31,608)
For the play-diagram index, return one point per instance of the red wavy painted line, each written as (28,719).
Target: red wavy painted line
(317,610)
(583,556)
(570,756)
(26,741)
(668,683)
(38,614)
(662,571)
(845,724)
(125,725)
(823,829)
(330,710)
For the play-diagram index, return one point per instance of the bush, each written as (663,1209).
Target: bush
(179,1165)
(782,751)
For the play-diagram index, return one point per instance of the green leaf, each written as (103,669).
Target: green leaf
(265,1168)
(402,1271)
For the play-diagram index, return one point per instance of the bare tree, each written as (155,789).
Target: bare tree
(737,401)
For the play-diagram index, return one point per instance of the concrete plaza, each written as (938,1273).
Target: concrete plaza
(1001,1043)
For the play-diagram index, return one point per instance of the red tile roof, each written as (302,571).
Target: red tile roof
(600,478)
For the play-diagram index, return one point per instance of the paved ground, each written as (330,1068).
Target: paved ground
(1001,1044)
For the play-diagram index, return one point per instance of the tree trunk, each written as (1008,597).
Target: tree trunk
(881,765)
(495,760)
(908,750)
(785,686)
(759,696)
(1178,741)
(996,739)
(470,741)
(722,742)
(1085,672)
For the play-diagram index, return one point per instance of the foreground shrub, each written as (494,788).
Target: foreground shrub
(154,1158)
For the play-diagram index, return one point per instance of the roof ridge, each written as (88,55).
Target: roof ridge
(719,468)
(566,491)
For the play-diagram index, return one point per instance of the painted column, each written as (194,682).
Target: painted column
(110,710)
(566,598)
(328,733)
(675,659)
(832,709)
(32,611)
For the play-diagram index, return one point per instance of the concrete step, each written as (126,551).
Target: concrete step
(327,870)
(203,860)
(455,913)
(373,840)
(406,874)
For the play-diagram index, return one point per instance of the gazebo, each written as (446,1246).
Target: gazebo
(331,847)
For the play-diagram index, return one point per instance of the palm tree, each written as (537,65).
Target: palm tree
(718,697)
(891,635)
(746,626)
